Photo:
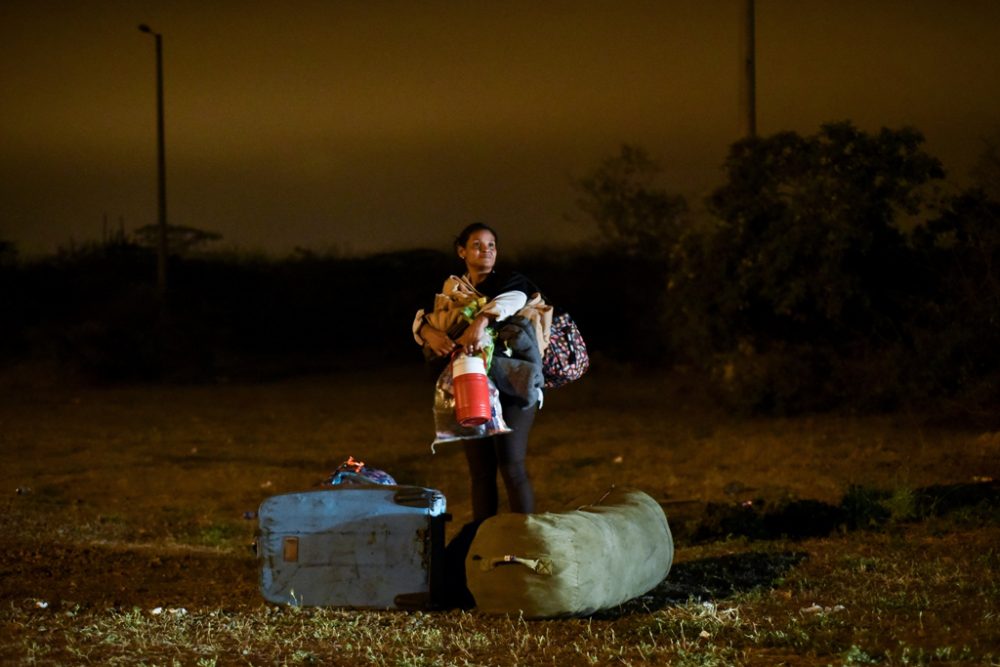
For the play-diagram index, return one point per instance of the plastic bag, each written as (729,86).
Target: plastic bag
(446,426)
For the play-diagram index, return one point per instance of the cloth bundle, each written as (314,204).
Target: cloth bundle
(352,472)
(570,563)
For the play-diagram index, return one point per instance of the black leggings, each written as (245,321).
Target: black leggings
(505,453)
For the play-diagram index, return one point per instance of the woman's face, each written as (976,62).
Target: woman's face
(479,252)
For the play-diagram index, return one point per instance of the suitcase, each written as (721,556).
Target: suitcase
(375,547)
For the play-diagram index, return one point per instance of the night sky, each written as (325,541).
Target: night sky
(362,126)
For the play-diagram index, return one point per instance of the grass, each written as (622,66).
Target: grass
(127,544)
(859,599)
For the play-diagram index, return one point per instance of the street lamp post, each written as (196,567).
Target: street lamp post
(161,163)
(748,76)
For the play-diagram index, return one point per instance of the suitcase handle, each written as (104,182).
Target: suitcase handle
(536,565)
(415,496)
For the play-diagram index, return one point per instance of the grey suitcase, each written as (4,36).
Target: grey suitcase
(377,547)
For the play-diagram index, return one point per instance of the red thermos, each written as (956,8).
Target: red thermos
(472,391)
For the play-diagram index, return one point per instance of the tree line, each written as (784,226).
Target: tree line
(831,270)
(836,269)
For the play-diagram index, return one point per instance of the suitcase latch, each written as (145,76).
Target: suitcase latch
(290,549)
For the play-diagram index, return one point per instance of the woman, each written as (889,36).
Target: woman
(476,245)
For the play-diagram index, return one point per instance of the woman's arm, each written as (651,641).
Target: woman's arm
(471,339)
(500,308)
(504,305)
(511,293)
(433,338)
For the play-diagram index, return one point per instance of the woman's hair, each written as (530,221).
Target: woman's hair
(463,236)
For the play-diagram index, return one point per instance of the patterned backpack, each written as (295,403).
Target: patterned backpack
(566,358)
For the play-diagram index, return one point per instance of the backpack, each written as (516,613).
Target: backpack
(566,358)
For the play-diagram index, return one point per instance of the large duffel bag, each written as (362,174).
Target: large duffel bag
(570,563)
(378,547)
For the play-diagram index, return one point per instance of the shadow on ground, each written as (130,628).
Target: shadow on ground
(861,508)
(714,578)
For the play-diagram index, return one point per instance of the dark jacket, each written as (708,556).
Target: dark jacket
(520,374)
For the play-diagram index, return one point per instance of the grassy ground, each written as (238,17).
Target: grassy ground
(808,541)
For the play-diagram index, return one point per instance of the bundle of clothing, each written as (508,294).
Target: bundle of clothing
(513,349)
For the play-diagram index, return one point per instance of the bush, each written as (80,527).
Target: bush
(807,270)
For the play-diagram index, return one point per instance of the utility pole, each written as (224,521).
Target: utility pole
(748,74)
(161,164)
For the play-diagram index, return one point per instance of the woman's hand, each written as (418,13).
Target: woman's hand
(470,339)
(437,340)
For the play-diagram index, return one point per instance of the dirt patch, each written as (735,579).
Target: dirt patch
(122,576)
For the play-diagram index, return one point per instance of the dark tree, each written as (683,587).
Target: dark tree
(987,169)
(632,212)
(809,262)
(957,326)
(8,252)
(809,235)
(180,239)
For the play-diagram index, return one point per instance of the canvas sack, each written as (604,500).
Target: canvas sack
(570,563)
